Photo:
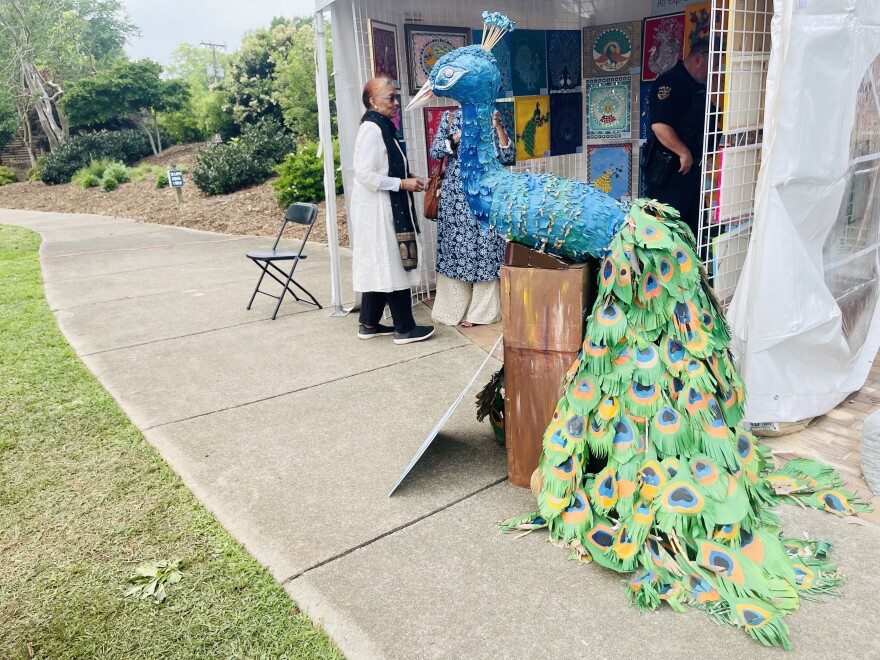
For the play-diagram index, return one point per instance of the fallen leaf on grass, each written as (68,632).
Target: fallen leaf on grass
(150,579)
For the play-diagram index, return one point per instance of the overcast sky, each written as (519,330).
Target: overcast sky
(166,23)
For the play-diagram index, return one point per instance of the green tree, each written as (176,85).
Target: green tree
(9,120)
(250,81)
(295,82)
(46,44)
(204,115)
(128,88)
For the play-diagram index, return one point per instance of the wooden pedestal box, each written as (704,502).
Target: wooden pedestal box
(543,306)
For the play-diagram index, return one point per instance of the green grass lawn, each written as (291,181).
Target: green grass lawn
(84,500)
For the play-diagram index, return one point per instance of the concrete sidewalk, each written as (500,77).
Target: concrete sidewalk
(292,432)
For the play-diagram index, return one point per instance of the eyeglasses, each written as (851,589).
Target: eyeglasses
(391,97)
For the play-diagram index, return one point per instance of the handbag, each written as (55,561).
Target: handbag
(432,190)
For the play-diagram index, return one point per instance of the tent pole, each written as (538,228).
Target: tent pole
(326,140)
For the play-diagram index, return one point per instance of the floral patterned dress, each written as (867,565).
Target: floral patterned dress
(464,251)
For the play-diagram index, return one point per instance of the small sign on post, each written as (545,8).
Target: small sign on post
(175,180)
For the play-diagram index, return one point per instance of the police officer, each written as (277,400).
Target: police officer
(674,150)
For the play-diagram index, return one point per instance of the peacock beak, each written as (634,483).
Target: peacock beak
(425,94)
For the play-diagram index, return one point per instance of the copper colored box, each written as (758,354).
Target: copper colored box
(543,312)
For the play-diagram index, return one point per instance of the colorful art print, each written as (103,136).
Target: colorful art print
(609,107)
(614,48)
(698,21)
(501,51)
(644,110)
(508,122)
(398,122)
(532,126)
(425,44)
(567,127)
(383,50)
(662,45)
(609,169)
(432,123)
(563,61)
(529,63)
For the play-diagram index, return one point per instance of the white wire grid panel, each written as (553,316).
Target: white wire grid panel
(850,254)
(740,50)
(571,15)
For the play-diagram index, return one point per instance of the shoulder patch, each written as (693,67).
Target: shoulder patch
(663,92)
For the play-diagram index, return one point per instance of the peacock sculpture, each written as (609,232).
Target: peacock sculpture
(645,468)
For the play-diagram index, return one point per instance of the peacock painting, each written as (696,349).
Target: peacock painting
(645,467)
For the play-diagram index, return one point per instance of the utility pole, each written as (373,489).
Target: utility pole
(214,48)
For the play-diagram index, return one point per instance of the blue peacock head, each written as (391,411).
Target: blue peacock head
(469,74)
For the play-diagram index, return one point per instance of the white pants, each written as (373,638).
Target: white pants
(475,302)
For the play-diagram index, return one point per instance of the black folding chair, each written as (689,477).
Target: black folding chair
(268,260)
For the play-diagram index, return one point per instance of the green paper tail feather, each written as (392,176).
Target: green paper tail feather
(684,491)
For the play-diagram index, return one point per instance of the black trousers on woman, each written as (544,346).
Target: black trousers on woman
(373,304)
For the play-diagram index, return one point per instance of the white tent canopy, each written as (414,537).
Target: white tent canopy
(805,315)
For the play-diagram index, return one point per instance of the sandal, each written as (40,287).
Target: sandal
(467,324)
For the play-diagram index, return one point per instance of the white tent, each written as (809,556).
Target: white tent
(804,315)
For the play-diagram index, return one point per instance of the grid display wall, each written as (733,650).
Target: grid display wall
(740,43)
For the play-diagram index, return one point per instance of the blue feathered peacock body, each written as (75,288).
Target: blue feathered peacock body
(682,495)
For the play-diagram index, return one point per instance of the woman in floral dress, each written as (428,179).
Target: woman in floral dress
(468,257)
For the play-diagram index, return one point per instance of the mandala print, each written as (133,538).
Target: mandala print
(612,50)
(563,60)
(609,107)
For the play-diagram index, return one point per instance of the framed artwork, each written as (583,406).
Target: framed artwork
(425,44)
(529,63)
(501,51)
(508,121)
(612,49)
(609,107)
(567,127)
(383,50)
(532,127)
(432,123)
(697,22)
(609,169)
(662,45)
(644,109)
(563,61)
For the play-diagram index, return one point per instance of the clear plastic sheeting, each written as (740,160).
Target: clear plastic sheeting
(805,315)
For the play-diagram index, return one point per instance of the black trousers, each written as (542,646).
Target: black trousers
(682,192)
(373,304)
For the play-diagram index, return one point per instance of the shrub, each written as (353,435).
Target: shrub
(77,152)
(301,176)
(86,180)
(7,175)
(92,174)
(225,168)
(162,180)
(109,183)
(34,173)
(118,172)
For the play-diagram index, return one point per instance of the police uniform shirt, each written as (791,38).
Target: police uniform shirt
(679,101)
